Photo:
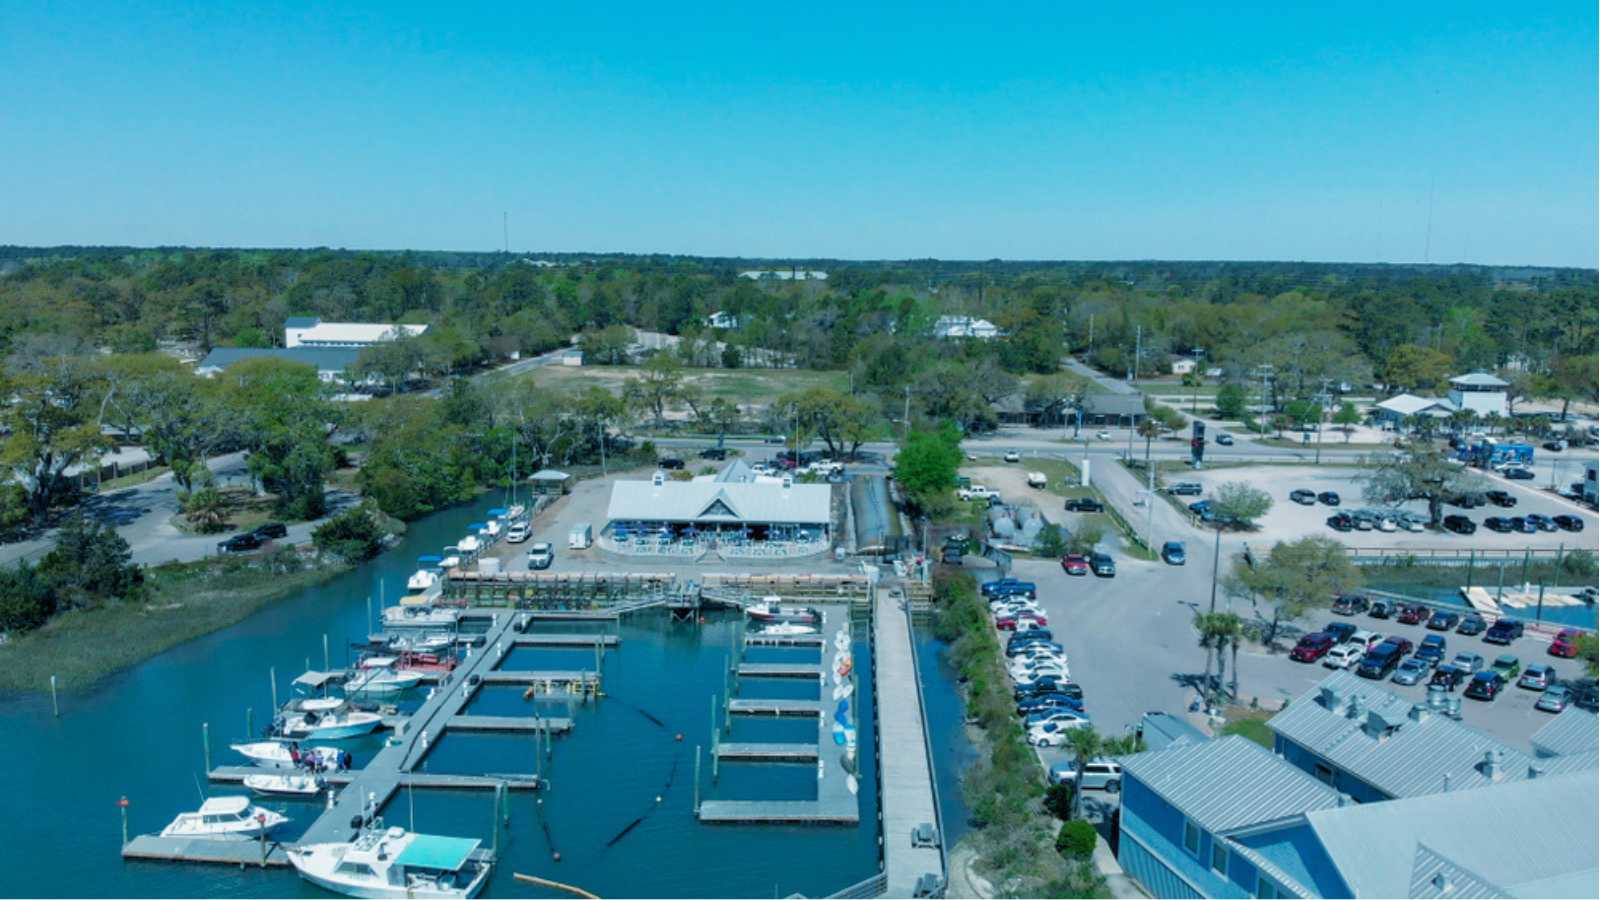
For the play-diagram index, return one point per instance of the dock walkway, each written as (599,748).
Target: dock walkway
(780,670)
(904,767)
(740,706)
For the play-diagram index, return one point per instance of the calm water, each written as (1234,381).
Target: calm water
(139,735)
(1581,616)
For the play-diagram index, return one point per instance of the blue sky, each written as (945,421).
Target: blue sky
(1061,131)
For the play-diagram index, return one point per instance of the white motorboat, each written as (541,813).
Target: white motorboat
(285,785)
(281,755)
(788,629)
(421,581)
(225,819)
(420,616)
(395,863)
(377,677)
(771,610)
(469,545)
(422,643)
(329,719)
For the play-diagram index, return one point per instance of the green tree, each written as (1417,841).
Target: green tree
(51,424)
(1410,367)
(610,346)
(1346,417)
(926,466)
(1231,401)
(1239,504)
(1050,541)
(1587,648)
(353,536)
(1294,578)
(1417,472)
(89,563)
(659,382)
(1085,538)
(721,415)
(390,362)
(26,601)
(1149,429)
(1076,839)
(205,508)
(286,423)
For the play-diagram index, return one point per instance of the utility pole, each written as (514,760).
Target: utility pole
(1091,333)
(905,431)
(1138,347)
(1322,407)
(1216,560)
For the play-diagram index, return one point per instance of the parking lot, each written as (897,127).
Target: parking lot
(1288,520)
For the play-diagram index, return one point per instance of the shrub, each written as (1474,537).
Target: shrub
(25,599)
(1050,542)
(1058,800)
(1076,839)
(90,563)
(353,535)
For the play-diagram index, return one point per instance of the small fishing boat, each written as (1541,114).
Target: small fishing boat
(421,581)
(420,616)
(771,610)
(787,629)
(416,644)
(225,819)
(469,545)
(283,755)
(378,677)
(328,719)
(841,640)
(843,690)
(396,863)
(285,785)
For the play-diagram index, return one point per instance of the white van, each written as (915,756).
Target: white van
(581,537)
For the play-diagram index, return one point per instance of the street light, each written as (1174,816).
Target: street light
(1216,560)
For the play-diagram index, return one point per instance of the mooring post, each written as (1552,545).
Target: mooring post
(494,819)
(249,722)
(55,705)
(696,791)
(272,673)
(368,626)
(538,753)
(326,665)
(716,739)
(122,804)
(205,741)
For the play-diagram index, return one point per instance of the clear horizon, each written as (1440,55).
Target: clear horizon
(1444,133)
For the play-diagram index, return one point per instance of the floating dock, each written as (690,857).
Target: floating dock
(565,640)
(780,670)
(521,724)
(425,780)
(783,640)
(742,707)
(577,678)
(199,850)
(768,752)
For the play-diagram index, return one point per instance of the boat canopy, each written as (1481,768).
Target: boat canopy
(378,662)
(446,854)
(475,526)
(320,705)
(225,806)
(497,512)
(429,560)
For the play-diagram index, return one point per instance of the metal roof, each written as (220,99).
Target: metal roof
(1502,836)
(1229,783)
(428,851)
(357,332)
(714,502)
(1161,730)
(1573,731)
(1109,404)
(1479,379)
(300,321)
(1411,404)
(324,359)
(1372,735)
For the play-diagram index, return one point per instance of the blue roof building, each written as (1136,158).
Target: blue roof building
(331,363)
(1161,730)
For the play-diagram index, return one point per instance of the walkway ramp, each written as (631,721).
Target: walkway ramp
(904,765)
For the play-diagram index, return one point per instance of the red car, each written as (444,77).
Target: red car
(1565,644)
(1414,614)
(1075,564)
(1312,647)
(1025,620)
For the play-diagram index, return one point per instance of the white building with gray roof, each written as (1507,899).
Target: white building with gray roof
(736,507)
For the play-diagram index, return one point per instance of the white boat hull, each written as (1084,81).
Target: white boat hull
(306,861)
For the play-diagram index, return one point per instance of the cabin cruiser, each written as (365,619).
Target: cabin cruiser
(377,676)
(326,719)
(788,629)
(469,545)
(420,616)
(284,755)
(225,819)
(771,610)
(421,643)
(270,785)
(396,863)
(422,581)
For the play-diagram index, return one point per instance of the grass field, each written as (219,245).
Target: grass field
(742,386)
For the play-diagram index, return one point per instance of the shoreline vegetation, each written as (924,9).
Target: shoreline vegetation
(185,601)
(1013,844)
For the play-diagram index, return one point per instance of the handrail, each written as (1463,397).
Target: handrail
(927,743)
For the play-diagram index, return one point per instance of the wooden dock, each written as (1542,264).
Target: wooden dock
(156,848)
(767,752)
(518,724)
(780,670)
(565,640)
(783,640)
(904,767)
(740,706)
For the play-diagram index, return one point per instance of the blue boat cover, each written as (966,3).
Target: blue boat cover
(445,854)
(496,512)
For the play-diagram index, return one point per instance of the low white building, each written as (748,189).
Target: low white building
(784,275)
(1480,392)
(964,327)
(1183,366)
(309,331)
(724,320)
(754,510)
(1395,410)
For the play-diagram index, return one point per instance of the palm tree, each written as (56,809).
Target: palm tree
(1148,429)
(1229,631)
(1208,640)
(1086,744)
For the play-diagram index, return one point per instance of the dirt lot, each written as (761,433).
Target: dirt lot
(1288,520)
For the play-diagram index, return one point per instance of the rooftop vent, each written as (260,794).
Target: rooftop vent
(1356,707)
(1329,697)
(1493,766)
(659,478)
(1421,711)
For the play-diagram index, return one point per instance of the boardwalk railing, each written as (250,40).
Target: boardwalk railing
(927,748)
(868,887)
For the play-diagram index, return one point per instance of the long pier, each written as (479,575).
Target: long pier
(740,706)
(780,670)
(425,780)
(768,752)
(565,640)
(904,766)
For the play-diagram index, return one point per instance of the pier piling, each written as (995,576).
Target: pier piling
(326,665)
(55,705)
(272,673)
(249,722)
(205,742)
(696,782)
(122,803)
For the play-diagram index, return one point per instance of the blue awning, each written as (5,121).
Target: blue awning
(445,854)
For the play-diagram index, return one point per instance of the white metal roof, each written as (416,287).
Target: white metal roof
(356,332)
(1479,379)
(720,502)
(1228,783)
(224,806)
(1411,404)
(1525,839)
(1574,731)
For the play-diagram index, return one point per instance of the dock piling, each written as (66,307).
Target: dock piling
(55,705)
(696,783)
(205,741)
(326,665)
(122,803)
(249,722)
(272,673)
(367,629)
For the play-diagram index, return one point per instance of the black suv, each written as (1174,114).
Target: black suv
(1498,523)
(1568,523)
(714,453)
(239,543)
(271,530)
(1503,631)
(1085,504)
(670,463)
(1328,498)
(1471,624)
(1103,565)
(1380,662)
(1341,522)
(1459,525)
(1500,498)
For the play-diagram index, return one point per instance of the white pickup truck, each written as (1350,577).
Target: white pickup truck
(976,492)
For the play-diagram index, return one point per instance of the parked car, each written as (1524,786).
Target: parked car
(1341,522)
(1498,523)
(1343,656)
(1485,686)
(1541,522)
(1202,508)
(1432,650)
(1350,604)
(718,453)
(1472,624)
(1500,498)
(669,462)
(239,543)
(1565,643)
(1459,525)
(1466,501)
(1467,661)
(1378,663)
(541,554)
(1339,631)
(1075,564)
(1098,775)
(1185,488)
(1507,665)
(1556,445)
(1503,631)
(518,532)
(1411,521)
(1012,456)
(1028,646)
(1443,620)
(1303,497)
(1554,699)
(1518,474)
(271,530)
(1049,716)
(1103,565)
(1055,700)
(1085,504)
(1448,677)
(1172,553)
(976,492)
(1411,614)
(1007,587)
(1400,644)
(1055,733)
(1521,525)
(1537,677)
(1312,647)
(1410,671)
(1328,498)
(1225,440)
(1568,523)
(1381,609)
(1046,685)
